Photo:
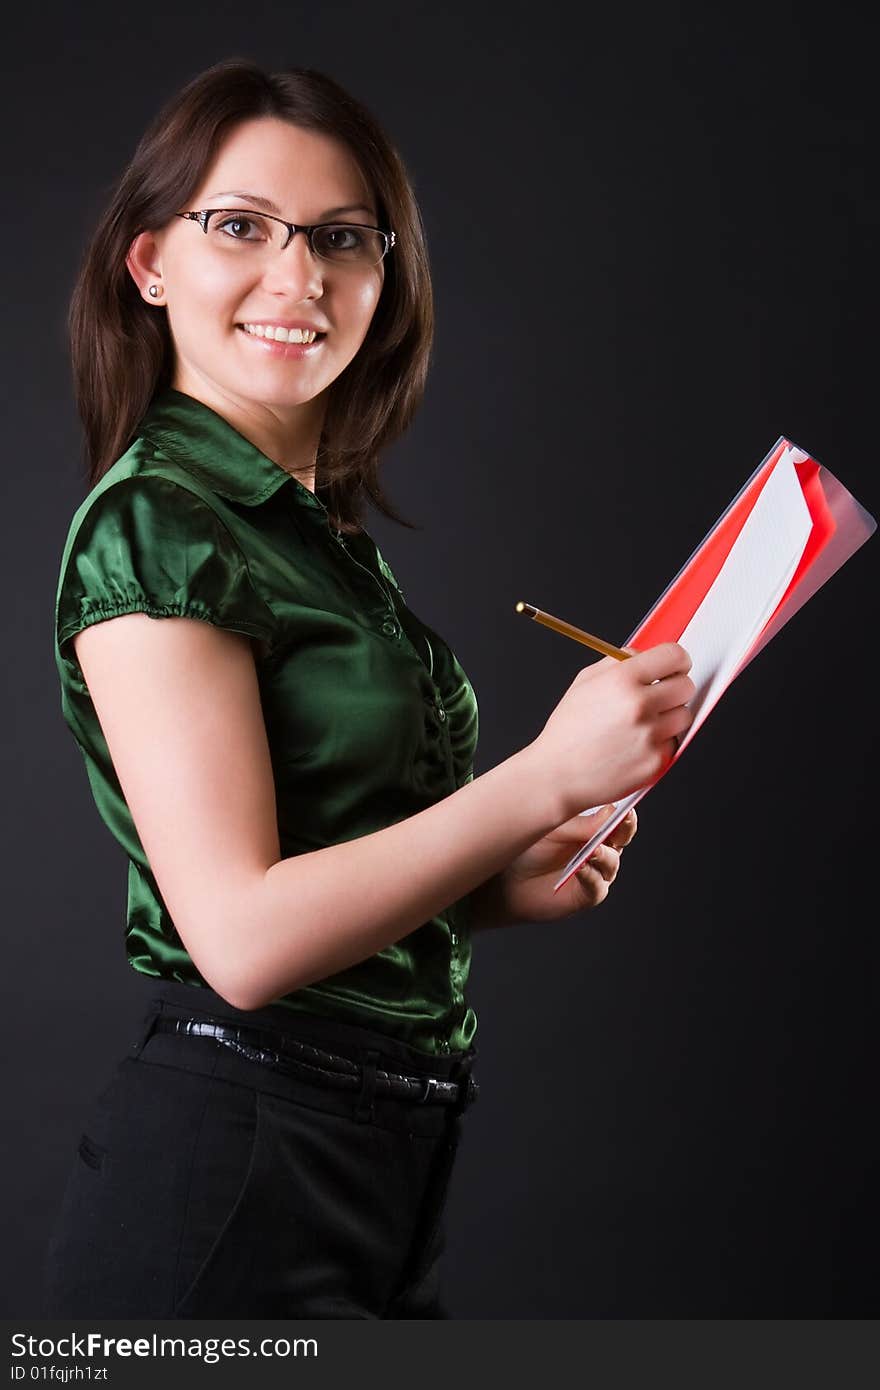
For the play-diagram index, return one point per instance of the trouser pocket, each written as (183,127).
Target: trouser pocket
(221,1171)
(156,1175)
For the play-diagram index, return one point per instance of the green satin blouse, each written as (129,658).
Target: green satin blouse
(369,716)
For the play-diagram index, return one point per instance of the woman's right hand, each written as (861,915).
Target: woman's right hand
(616,727)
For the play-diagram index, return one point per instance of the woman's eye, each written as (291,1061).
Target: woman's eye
(232,227)
(343,238)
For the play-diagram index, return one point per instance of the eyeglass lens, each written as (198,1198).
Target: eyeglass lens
(248,232)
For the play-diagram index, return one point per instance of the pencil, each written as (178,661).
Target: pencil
(577,633)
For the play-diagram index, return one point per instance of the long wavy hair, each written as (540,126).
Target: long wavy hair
(121,349)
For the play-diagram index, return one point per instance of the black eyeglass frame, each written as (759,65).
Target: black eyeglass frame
(292,229)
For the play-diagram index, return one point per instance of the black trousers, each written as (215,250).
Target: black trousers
(207,1184)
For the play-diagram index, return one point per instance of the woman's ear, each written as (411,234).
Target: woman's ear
(145,264)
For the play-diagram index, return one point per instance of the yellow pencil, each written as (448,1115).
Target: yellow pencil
(577,633)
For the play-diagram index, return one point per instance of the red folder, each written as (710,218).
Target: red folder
(837,526)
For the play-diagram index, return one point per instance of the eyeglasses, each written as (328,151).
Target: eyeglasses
(343,243)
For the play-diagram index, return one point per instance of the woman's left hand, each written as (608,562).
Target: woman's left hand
(524,890)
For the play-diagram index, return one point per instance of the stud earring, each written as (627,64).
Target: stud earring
(154,290)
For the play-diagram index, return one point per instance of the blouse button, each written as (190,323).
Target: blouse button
(441,713)
(389,628)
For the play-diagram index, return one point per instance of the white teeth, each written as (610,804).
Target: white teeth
(281,335)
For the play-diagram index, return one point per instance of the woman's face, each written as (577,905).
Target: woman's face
(209,291)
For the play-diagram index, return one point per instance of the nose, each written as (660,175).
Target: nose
(295,270)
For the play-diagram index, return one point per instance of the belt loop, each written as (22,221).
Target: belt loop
(364,1108)
(468,1090)
(149,1023)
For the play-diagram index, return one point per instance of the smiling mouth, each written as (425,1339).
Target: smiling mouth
(287,342)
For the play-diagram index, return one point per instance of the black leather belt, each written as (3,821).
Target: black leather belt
(321,1068)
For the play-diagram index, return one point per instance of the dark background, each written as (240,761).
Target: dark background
(654,241)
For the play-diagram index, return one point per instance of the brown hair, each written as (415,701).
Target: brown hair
(121,349)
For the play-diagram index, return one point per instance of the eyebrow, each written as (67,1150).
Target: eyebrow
(272,207)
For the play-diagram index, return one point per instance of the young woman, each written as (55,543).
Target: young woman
(287,757)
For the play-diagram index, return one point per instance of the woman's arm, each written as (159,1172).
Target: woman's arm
(178,701)
(352,899)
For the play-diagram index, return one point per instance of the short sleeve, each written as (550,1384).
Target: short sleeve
(147,544)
